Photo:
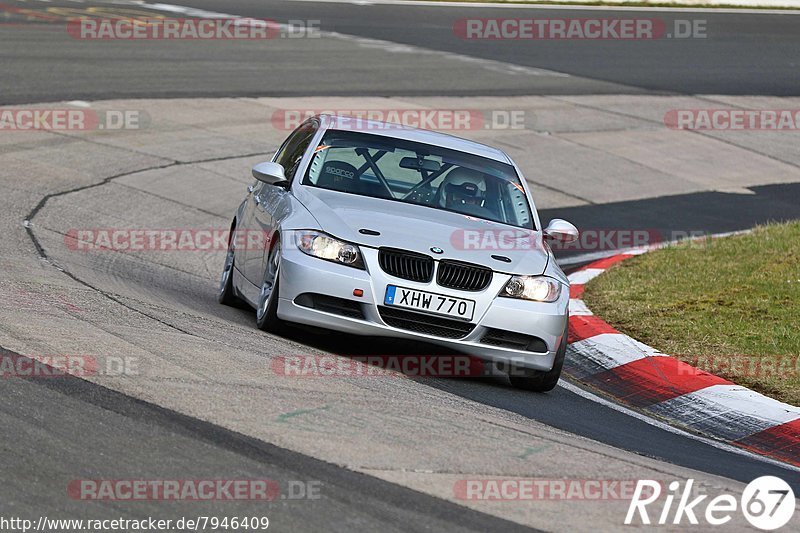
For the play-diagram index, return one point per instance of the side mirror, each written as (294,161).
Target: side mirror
(561,230)
(270,173)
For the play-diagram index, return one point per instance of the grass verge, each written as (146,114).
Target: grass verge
(730,306)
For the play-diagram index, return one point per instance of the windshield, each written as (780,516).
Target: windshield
(422,174)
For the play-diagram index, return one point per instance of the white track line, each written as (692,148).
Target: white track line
(666,427)
(716,400)
(509,5)
(509,69)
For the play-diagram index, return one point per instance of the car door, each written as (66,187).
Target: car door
(271,202)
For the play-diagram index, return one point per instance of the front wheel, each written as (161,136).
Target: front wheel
(267,310)
(538,380)
(227,294)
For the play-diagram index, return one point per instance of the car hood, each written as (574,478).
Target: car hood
(418,228)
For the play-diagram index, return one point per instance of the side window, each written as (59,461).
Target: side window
(292,151)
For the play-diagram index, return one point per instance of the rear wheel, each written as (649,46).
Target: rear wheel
(538,380)
(227,294)
(267,310)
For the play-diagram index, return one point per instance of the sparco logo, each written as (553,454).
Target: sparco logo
(339,172)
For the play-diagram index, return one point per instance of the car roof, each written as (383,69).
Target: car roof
(399,131)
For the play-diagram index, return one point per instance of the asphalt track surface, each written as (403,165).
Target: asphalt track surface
(173,443)
(741,54)
(745,54)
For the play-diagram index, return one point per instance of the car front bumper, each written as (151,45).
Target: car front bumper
(302,274)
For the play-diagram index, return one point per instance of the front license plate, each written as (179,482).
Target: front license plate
(429,302)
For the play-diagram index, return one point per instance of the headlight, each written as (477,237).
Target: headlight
(318,244)
(538,288)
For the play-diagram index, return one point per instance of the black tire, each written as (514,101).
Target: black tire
(227,294)
(538,380)
(267,310)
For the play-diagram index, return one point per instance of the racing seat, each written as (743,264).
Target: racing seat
(339,176)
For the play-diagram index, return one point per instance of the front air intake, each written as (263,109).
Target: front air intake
(406,265)
(463,276)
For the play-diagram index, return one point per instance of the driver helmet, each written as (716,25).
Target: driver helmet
(463,186)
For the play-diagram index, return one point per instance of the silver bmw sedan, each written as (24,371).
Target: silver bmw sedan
(373,228)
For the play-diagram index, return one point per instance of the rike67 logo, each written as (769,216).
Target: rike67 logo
(767,503)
